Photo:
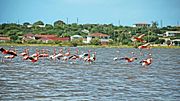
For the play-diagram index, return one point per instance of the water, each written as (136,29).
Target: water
(104,80)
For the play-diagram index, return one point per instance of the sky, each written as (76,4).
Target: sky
(117,12)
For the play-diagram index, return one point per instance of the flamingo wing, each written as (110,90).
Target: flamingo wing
(12,53)
(141,36)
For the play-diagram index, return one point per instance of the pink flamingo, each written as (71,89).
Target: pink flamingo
(139,38)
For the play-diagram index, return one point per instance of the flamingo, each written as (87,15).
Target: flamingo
(89,58)
(146,62)
(126,58)
(60,55)
(145,46)
(68,53)
(25,52)
(34,57)
(4,51)
(75,56)
(43,54)
(54,54)
(139,38)
(11,54)
(83,55)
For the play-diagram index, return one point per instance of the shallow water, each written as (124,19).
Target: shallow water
(104,80)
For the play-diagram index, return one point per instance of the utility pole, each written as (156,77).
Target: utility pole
(161,24)
(77,20)
(177,23)
(119,22)
(67,20)
(18,21)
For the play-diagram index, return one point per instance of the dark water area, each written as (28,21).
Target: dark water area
(103,80)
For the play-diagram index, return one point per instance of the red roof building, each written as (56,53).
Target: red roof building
(4,39)
(45,37)
(98,35)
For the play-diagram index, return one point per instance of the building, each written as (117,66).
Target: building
(44,37)
(76,37)
(172,34)
(28,36)
(141,25)
(172,37)
(104,38)
(47,39)
(4,39)
(175,42)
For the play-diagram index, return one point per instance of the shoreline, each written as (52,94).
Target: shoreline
(88,46)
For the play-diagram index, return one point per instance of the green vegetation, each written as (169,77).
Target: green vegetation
(120,35)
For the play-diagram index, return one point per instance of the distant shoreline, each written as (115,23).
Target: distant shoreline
(88,46)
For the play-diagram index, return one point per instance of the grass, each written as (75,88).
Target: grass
(91,46)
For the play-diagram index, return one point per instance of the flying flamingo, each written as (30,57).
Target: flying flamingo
(145,46)
(139,38)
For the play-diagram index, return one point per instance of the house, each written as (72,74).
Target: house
(44,37)
(172,37)
(4,39)
(104,38)
(141,25)
(38,36)
(76,37)
(172,34)
(175,42)
(47,39)
(28,36)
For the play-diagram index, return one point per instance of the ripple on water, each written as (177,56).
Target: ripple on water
(103,80)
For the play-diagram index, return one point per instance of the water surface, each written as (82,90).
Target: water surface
(104,80)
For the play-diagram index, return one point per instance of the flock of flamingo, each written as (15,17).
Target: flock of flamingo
(67,56)
(146,45)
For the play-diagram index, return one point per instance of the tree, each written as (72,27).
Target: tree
(58,22)
(154,24)
(48,26)
(95,41)
(38,23)
(26,23)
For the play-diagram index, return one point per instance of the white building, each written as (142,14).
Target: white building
(76,37)
(141,25)
(172,33)
(104,38)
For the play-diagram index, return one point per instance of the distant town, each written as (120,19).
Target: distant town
(87,34)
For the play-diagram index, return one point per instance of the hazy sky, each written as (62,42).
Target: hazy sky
(127,12)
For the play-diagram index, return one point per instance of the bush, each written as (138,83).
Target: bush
(95,41)
(159,41)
